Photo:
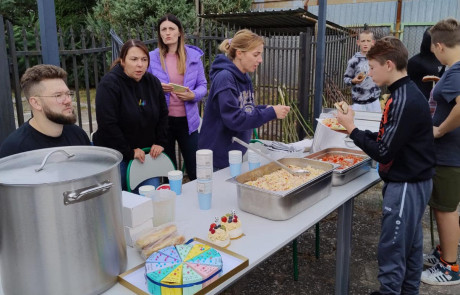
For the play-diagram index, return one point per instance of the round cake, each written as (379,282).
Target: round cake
(232,224)
(218,235)
(186,267)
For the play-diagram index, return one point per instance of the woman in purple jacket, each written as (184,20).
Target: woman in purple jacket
(176,63)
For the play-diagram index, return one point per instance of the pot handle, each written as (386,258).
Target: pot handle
(48,155)
(83,194)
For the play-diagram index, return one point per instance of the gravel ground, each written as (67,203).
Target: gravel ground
(317,276)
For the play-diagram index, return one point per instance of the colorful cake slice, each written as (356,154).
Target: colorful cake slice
(205,271)
(197,249)
(171,252)
(210,257)
(189,276)
(160,257)
(157,276)
(173,279)
(153,266)
(183,250)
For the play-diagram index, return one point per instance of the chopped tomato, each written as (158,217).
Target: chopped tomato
(344,161)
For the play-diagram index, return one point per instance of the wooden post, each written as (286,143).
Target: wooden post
(7,124)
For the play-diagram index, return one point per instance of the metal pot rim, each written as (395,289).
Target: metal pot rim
(75,163)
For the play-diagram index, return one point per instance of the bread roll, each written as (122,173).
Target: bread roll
(153,237)
(174,240)
(361,76)
(342,107)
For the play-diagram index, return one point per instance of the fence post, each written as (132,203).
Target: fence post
(320,60)
(304,79)
(6,105)
(48,32)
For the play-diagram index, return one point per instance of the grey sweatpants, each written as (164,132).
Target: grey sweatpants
(400,250)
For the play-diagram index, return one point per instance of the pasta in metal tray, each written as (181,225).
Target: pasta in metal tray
(282,180)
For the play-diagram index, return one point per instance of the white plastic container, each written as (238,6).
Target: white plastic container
(204,158)
(164,207)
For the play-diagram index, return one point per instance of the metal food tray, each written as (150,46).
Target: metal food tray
(282,205)
(342,176)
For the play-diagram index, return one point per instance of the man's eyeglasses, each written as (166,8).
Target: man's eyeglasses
(60,97)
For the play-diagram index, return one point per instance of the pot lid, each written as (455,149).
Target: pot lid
(52,165)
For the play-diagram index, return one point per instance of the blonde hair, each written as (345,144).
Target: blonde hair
(180,52)
(367,32)
(446,31)
(244,40)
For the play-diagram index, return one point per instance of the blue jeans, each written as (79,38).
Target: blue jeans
(188,144)
(155,181)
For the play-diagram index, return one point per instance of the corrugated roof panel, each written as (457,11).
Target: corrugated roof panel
(429,10)
(413,11)
(273,21)
(359,13)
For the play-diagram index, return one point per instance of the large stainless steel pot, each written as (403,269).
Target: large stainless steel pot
(61,229)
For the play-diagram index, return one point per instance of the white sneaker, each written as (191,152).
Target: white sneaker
(432,258)
(441,274)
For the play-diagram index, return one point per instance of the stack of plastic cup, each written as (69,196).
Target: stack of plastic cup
(204,189)
(204,170)
(253,160)
(175,181)
(204,158)
(147,191)
(235,157)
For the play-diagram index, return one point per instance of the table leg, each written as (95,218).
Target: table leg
(343,252)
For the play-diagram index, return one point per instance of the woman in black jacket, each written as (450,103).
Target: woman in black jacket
(131,108)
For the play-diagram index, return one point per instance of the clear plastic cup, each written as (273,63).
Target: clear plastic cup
(164,207)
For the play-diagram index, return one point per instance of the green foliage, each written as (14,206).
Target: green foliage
(22,13)
(123,14)
(72,13)
(225,6)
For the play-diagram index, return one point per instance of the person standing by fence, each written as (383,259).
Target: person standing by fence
(445,44)
(131,110)
(364,92)
(230,109)
(180,64)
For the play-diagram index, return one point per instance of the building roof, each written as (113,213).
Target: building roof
(293,21)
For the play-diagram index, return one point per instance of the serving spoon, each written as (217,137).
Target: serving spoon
(293,172)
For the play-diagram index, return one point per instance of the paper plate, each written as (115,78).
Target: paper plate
(340,129)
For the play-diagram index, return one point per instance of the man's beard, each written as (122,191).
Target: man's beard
(59,118)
